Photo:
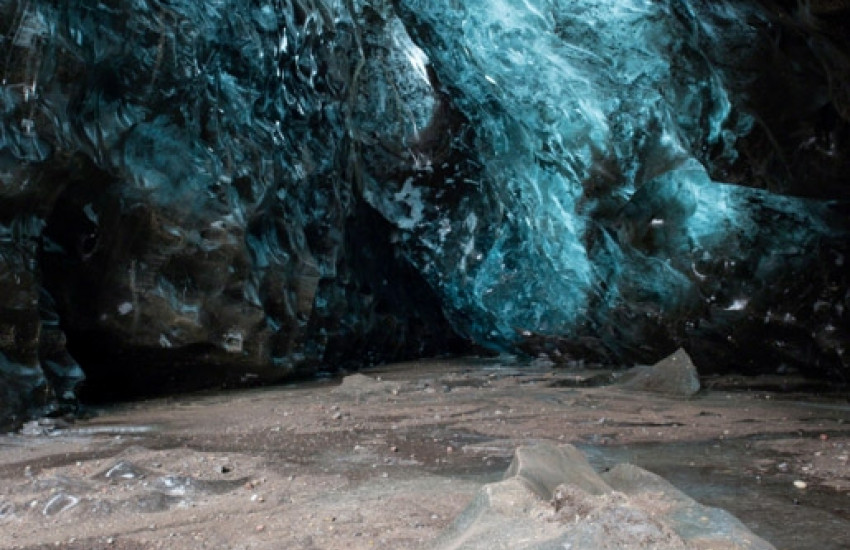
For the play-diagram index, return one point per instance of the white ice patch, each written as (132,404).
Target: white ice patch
(471,221)
(88,210)
(232,341)
(738,304)
(445,229)
(32,27)
(412,197)
(415,56)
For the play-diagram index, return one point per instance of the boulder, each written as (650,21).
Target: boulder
(675,375)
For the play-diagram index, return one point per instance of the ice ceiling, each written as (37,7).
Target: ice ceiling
(201,192)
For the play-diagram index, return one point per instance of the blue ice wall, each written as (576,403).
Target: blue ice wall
(601,126)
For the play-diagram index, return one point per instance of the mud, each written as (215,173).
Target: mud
(388,458)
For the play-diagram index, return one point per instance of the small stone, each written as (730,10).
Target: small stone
(394,449)
(800,484)
(260,528)
(337,415)
(824,437)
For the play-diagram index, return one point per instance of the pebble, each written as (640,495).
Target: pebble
(800,484)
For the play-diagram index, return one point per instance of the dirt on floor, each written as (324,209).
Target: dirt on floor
(388,458)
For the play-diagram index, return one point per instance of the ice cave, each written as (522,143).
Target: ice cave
(202,194)
(242,188)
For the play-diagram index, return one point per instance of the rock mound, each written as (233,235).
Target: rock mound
(552,497)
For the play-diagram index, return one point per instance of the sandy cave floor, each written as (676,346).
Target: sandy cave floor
(387,458)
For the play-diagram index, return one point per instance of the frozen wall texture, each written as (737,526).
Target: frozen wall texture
(204,192)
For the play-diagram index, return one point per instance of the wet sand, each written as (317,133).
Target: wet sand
(387,458)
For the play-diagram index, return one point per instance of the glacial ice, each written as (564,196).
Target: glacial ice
(196,193)
(602,129)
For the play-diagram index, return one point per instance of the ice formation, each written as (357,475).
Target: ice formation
(626,202)
(197,192)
